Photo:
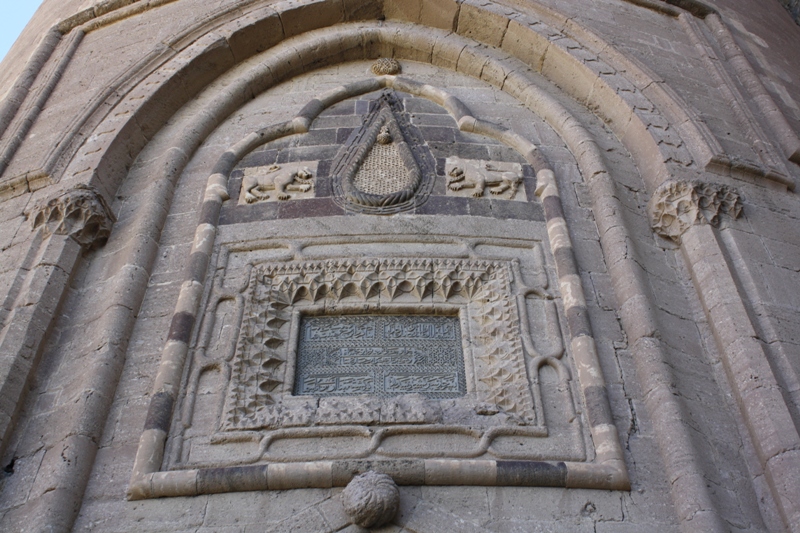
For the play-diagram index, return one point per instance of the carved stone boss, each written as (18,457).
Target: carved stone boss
(678,205)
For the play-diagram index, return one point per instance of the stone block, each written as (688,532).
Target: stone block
(297,19)
(250,509)
(441,14)
(481,24)
(408,11)
(255,32)
(307,521)
(426,516)
(526,44)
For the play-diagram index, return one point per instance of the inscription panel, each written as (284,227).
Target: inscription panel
(381,355)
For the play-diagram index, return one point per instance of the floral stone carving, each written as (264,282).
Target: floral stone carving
(371,499)
(81,213)
(678,205)
(386,66)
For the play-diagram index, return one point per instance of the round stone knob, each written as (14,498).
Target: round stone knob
(386,65)
(371,499)
(384,137)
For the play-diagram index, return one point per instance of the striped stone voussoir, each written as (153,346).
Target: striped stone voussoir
(584,350)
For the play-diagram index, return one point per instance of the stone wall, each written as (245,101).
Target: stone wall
(600,195)
(793,7)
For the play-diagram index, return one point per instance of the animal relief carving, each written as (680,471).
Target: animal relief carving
(502,179)
(276,182)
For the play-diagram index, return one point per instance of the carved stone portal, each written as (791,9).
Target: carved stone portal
(678,205)
(82,213)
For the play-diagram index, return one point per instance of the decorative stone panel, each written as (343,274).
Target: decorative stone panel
(277,183)
(478,293)
(678,205)
(476,178)
(237,419)
(385,166)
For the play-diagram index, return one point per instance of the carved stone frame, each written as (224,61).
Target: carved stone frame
(497,381)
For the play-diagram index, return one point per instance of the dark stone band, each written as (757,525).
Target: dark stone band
(181,327)
(160,412)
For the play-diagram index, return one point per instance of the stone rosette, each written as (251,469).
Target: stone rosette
(386,66)
(371,499)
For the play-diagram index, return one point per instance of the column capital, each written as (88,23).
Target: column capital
(678,205)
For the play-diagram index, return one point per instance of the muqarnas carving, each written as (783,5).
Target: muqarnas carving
(82,213)
(478,292)
(678,205)
(385,166)
(474,177)
(278,182)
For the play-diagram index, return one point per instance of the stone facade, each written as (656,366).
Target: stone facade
(333,265)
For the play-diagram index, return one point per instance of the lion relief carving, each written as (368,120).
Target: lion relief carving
(259,183)
(477,175)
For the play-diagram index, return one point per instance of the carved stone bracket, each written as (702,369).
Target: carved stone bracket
(81,213)
(678,205)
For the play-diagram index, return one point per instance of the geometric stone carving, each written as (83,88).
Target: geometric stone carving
(285,299)
(282,179)
(81,213)
(501,178)
(371,499)
(386,66)
(678,205)
(384,167)
(383,171)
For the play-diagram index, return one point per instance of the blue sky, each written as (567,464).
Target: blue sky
(15,14)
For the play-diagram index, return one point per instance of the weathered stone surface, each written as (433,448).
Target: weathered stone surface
(371,499)
(555,136)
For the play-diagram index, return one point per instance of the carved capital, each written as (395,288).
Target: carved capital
(678,205)
(82,213)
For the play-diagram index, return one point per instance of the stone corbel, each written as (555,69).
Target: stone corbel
(81,213)
(678,205)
